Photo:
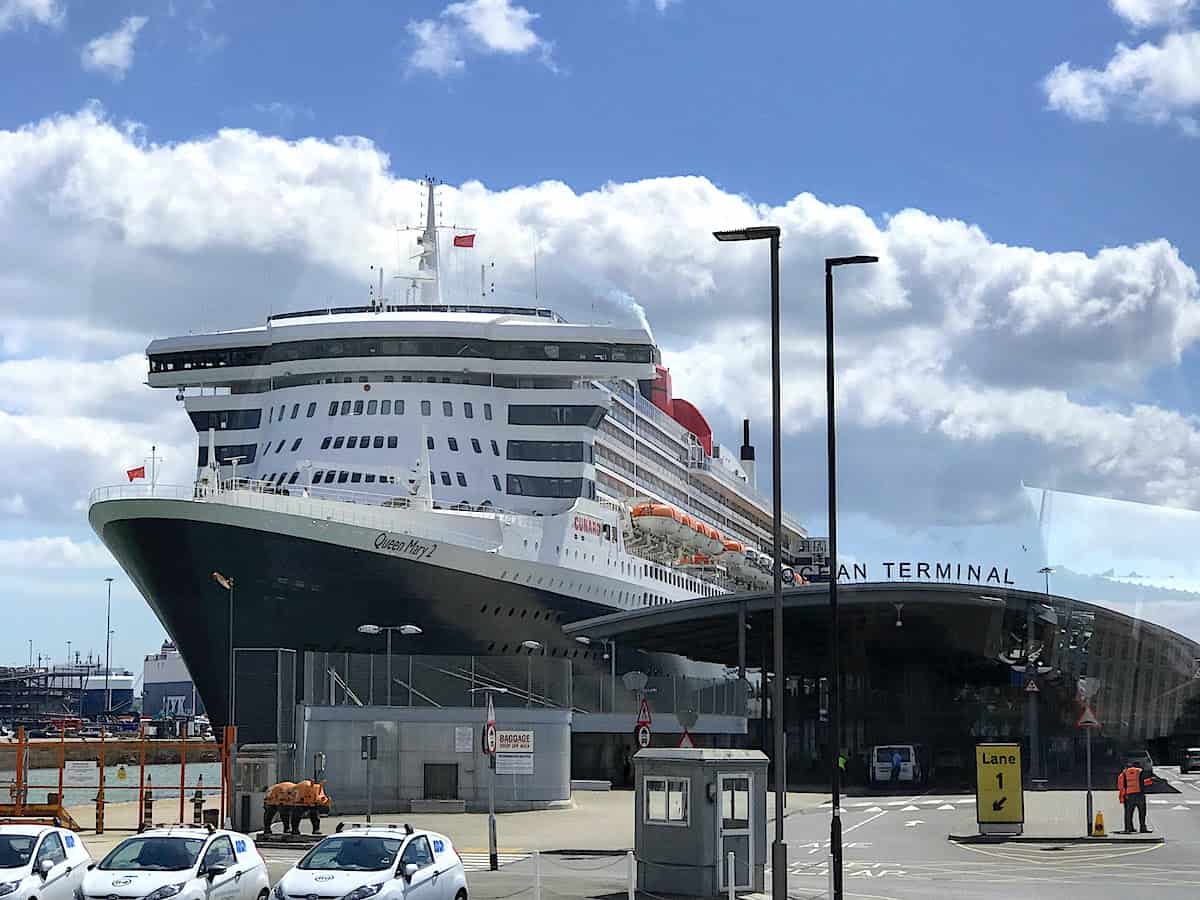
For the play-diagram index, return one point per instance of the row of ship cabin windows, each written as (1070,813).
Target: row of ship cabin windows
(396,407)
(518,414)
(527,451)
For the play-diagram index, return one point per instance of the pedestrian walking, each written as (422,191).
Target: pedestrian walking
(896,762)
(1131,786)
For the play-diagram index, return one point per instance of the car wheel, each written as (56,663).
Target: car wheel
(264,894)
(461,895)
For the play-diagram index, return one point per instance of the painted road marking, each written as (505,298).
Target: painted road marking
(945,806)
(911,808)
(914,823)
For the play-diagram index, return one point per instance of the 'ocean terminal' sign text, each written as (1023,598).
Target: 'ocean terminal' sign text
(958,573)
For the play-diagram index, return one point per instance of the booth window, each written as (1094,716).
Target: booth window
(667,800)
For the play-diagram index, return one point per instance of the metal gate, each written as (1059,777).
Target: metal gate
(734,833)
(441,781)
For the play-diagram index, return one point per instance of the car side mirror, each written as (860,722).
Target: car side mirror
(91,866)
(213,871)
(44,867)
(409,871)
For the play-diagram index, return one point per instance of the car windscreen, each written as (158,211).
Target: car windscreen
(15,850)
(154,854)
(353,853)
(884,754)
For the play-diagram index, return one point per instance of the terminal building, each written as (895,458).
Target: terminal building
(939,666)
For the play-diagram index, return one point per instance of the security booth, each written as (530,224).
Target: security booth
(694,806)
(256,768)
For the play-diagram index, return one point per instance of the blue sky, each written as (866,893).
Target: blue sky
(997,342)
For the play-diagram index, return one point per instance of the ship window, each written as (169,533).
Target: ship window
(537,486)
(462,479)
(429,441)
(338,442)
(351,442)
(369,478)
(389,377)
(296,445)
(316,479)
(244,452)
(495,449)
(270,415)
(573,414)
(295,410)
(496,482)
(546,451)
(279,446)
(372,407)
(312,410)
(377,442)
(399,408)
(447,408)
(385,408)
(292,480)
(355,477)
(426,408)
(468,410)
(329,476)
(364,441)
(392,442)
(333,408)
(345,407)
(343,477)
(326,442)
(358,407)
(432,478)
(282,410)
(452,443)
(487,411)
(227,419)
(446,478)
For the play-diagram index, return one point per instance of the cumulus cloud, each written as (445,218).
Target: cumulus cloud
(1151,13)
(53,552)
(964,365)
(31,12)
(484,26)
(111,54)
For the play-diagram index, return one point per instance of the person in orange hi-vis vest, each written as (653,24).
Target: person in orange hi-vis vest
(1131,791)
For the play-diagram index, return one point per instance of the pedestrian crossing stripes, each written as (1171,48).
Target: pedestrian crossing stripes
(479,862)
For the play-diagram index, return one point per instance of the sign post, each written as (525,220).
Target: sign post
(1088,721)
(490,744)
(641,731)
(368,751)
(999,797)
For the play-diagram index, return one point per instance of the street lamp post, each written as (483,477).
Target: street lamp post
(835,709)
(779,847)
(610,651)
(407,630)
(530,646)
(108,651)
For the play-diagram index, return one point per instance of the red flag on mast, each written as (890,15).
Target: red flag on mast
(464,240)
(139,472)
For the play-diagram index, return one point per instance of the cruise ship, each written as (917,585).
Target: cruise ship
(485,472)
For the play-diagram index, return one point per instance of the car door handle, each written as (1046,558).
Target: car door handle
(237,876)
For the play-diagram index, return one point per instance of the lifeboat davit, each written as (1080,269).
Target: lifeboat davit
(657,519)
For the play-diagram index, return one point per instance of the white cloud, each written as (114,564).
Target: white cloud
(112,53)
(1151,82)
(31,12)
(1151,13)
(53,552)
(485,26)
(437,48)
(974,363)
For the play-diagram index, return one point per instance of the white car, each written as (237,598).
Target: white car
(184,863)
(41,861)
(378,862)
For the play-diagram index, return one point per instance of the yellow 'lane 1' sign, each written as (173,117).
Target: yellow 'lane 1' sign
(999,799)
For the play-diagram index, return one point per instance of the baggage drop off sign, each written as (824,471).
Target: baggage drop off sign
(999,798)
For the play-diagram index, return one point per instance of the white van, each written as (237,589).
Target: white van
(881,764)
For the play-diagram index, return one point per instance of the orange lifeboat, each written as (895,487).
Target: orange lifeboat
(657,519)
(690,534)
(713,542)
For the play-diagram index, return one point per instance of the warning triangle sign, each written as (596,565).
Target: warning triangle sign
(1031,687)
(1087,719)
(685,739)
(644,713)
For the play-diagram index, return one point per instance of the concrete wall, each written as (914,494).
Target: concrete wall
(410,737)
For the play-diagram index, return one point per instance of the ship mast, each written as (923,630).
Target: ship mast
(427,263)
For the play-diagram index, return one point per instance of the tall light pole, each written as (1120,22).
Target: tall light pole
(108,650)
(610,652)
(779,847)
(408,630)
(530,646)
(227,583)
(835,709)
(1031,698)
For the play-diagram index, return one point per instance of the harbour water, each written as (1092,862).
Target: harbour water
(163,778)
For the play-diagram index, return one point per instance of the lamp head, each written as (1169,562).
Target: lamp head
(832,261)
(369,629)
(409,629)
(753,233)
